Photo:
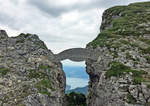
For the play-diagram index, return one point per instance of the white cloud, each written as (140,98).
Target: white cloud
(71,63)
(62,24)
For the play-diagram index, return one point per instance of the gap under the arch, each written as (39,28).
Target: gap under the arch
(76,76)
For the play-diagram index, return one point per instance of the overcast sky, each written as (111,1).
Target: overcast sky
(61,24)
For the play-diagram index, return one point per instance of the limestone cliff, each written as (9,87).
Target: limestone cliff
(29,73)
(120,76)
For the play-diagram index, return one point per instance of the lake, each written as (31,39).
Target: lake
(76,82)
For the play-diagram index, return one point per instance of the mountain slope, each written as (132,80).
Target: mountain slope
(121,74)
(82,90)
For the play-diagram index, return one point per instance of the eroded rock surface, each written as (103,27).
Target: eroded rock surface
(29,73)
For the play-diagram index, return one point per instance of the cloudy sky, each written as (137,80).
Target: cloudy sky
(61,24)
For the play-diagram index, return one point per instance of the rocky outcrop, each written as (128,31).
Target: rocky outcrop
(29,73)
(120,75)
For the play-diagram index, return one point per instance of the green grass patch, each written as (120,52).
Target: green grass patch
(125,42)
(43,86)
(118,69)
(128,56)
(145,50)
(148,86)
(130,99)
(100,40)
(44,67)
(4,71)
(126,23)
(37,74)
(147,41)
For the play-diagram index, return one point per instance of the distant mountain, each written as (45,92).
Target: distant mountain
(68,87)
(75,72)
(79,90)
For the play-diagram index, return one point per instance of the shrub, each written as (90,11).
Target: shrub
(76,99)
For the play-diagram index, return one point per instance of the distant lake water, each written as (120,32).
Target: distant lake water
(76,82)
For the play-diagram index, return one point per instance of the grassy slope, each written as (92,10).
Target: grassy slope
(129,22)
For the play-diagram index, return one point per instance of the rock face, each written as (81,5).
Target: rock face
(120,75)
(29,73)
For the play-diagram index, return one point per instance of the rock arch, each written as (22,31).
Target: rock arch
(74,54)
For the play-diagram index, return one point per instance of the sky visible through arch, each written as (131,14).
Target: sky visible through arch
(61,24)
(76,75)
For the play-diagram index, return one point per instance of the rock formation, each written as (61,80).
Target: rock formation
(29,73)
(121,74)
(117,61)
(74,54)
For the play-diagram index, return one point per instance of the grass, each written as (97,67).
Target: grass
(100,40)
(44,67)
(148,104)
(37,74)
(147,41)
(4,71)
(118,69)
(145,50)
(128,56)
(43,86)
(126,24)
(148,86)
(130,99)
(124,42)
(41,73)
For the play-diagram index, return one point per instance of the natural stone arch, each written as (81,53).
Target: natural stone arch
(79,54)
(74,54)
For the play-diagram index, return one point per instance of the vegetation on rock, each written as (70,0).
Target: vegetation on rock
(131,99)
(3,71)
(123,21)
(118,69)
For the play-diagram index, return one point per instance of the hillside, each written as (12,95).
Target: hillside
(121,74)
(82,90)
